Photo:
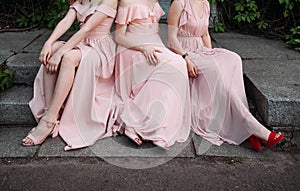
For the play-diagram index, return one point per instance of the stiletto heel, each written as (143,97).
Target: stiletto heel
(255,143)
(37,141)
(55,129)
(131,134)
(274,138)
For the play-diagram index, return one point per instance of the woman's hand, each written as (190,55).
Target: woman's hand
(45,54)
(53,63)
(191,68)
(151,54)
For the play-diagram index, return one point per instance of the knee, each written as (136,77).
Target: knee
(70,59)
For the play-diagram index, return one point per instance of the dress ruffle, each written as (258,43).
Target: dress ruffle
(85,13)
(188,12)
(137,11)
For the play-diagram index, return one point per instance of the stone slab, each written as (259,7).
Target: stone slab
(55,148)
(4,55)
(37,45)
(11,143)
(115,147)
(231,36)
(205,148)
(249,47)
(14,107)
(15,41)
(275,88)
(25,67)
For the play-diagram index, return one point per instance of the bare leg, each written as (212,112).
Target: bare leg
(63,86)
(64,82)
(49,79)
(262,132)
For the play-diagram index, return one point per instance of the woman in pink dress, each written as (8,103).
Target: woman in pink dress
(76,74)
(151,81)
(219,105)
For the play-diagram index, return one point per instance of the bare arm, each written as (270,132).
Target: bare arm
(121,39)
(206,39)
(59,30)
(90,24)
(130,43)
(173,22)
(62,26)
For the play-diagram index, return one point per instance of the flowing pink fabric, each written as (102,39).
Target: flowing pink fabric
(154,100)
(88,107)
(218,100)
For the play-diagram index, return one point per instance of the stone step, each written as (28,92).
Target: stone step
(271,77)
(14,107)
(25,63)
(14,42)
(275,92)
(271,73)
(119,147)
(25,67)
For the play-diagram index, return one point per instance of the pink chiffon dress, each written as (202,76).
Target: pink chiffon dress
(152,99)
(218,100)
(85,115)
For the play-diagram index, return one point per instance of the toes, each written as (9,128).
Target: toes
(139,141)
(27,141)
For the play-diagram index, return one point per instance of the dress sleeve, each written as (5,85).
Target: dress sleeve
(186,12)
(136,11)
(109,11)
(207,8)
(78,7)
(130,13)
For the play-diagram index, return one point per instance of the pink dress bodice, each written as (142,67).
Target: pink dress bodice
(84,12)
(141,21)
(190,23)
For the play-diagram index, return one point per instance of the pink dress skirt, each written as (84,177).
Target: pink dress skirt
(85,115)
(154,100)
(218,100)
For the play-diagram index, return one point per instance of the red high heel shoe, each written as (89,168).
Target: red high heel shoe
(255,143)
(274,138)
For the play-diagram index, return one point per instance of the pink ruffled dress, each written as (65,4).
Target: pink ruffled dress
(85,115)
(218,100)
(154,100)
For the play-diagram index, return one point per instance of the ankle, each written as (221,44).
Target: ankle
(49,118)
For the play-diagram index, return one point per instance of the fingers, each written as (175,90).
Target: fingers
(150,54)
(152,57)
(48,57)
(44,58)
(51,68)
(193,72)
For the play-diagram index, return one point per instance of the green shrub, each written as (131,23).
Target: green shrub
(293,39)
(6,78)
(270,18)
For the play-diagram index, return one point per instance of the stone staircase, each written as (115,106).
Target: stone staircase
(20,52)
(271,73)
(271,76)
